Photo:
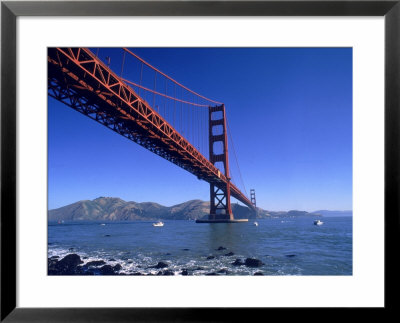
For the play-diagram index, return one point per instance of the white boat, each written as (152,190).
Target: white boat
(318,222)
(158,224)
(256,224)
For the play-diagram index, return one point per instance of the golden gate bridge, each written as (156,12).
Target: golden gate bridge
(152,109)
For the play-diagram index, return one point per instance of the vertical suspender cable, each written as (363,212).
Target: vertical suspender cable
(180,114)
(174,104)
(141,76)
(198,126)
(234,152)
(193,133)
(155,89)
(165,114)
(123,62)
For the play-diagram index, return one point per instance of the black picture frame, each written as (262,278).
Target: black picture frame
(10,10)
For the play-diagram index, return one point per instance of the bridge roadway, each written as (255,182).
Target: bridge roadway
(80,80)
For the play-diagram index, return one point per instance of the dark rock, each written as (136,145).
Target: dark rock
(184,272)
(106,270)
(223,271)
(252,262)
(258,273)
(238,262)
(93,271)
(80,270)
(229,254)
(107,235)
(199,268)
(117,267)
(290,256)
(111,259)
(211,274)
(51,266)
(68,265)
(83,270)
(168,254)
(85,257)
(130,261)
(160,265)
(210,257)
(88,273)
(159,273)
(186,249)
(54,257)
(95,263)
(168,273)
(221,248)
(136,273)
(51,262)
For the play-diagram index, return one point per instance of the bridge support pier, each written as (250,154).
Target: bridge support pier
(220,206)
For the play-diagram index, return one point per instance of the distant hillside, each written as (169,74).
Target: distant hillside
(115,209)
(334,213)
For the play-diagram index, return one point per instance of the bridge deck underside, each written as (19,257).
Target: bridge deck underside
(78,79)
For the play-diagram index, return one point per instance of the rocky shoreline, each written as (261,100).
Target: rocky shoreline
(72,264)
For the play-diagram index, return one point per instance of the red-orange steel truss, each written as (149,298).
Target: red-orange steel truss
(80,80)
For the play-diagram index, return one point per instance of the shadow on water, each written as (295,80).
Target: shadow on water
(225,235)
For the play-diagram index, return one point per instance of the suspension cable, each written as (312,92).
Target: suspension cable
(170,78)
(161,94)
(234,152)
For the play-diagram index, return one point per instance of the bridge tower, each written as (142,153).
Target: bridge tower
(253,197)
(220,196)
(253,200)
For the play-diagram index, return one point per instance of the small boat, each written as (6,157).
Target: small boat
(256,224)
(318,222)
(158,224)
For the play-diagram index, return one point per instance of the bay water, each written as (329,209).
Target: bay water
(285,245)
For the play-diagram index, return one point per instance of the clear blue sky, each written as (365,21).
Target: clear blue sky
(290,115)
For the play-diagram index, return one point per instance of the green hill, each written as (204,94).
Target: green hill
(115,209)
